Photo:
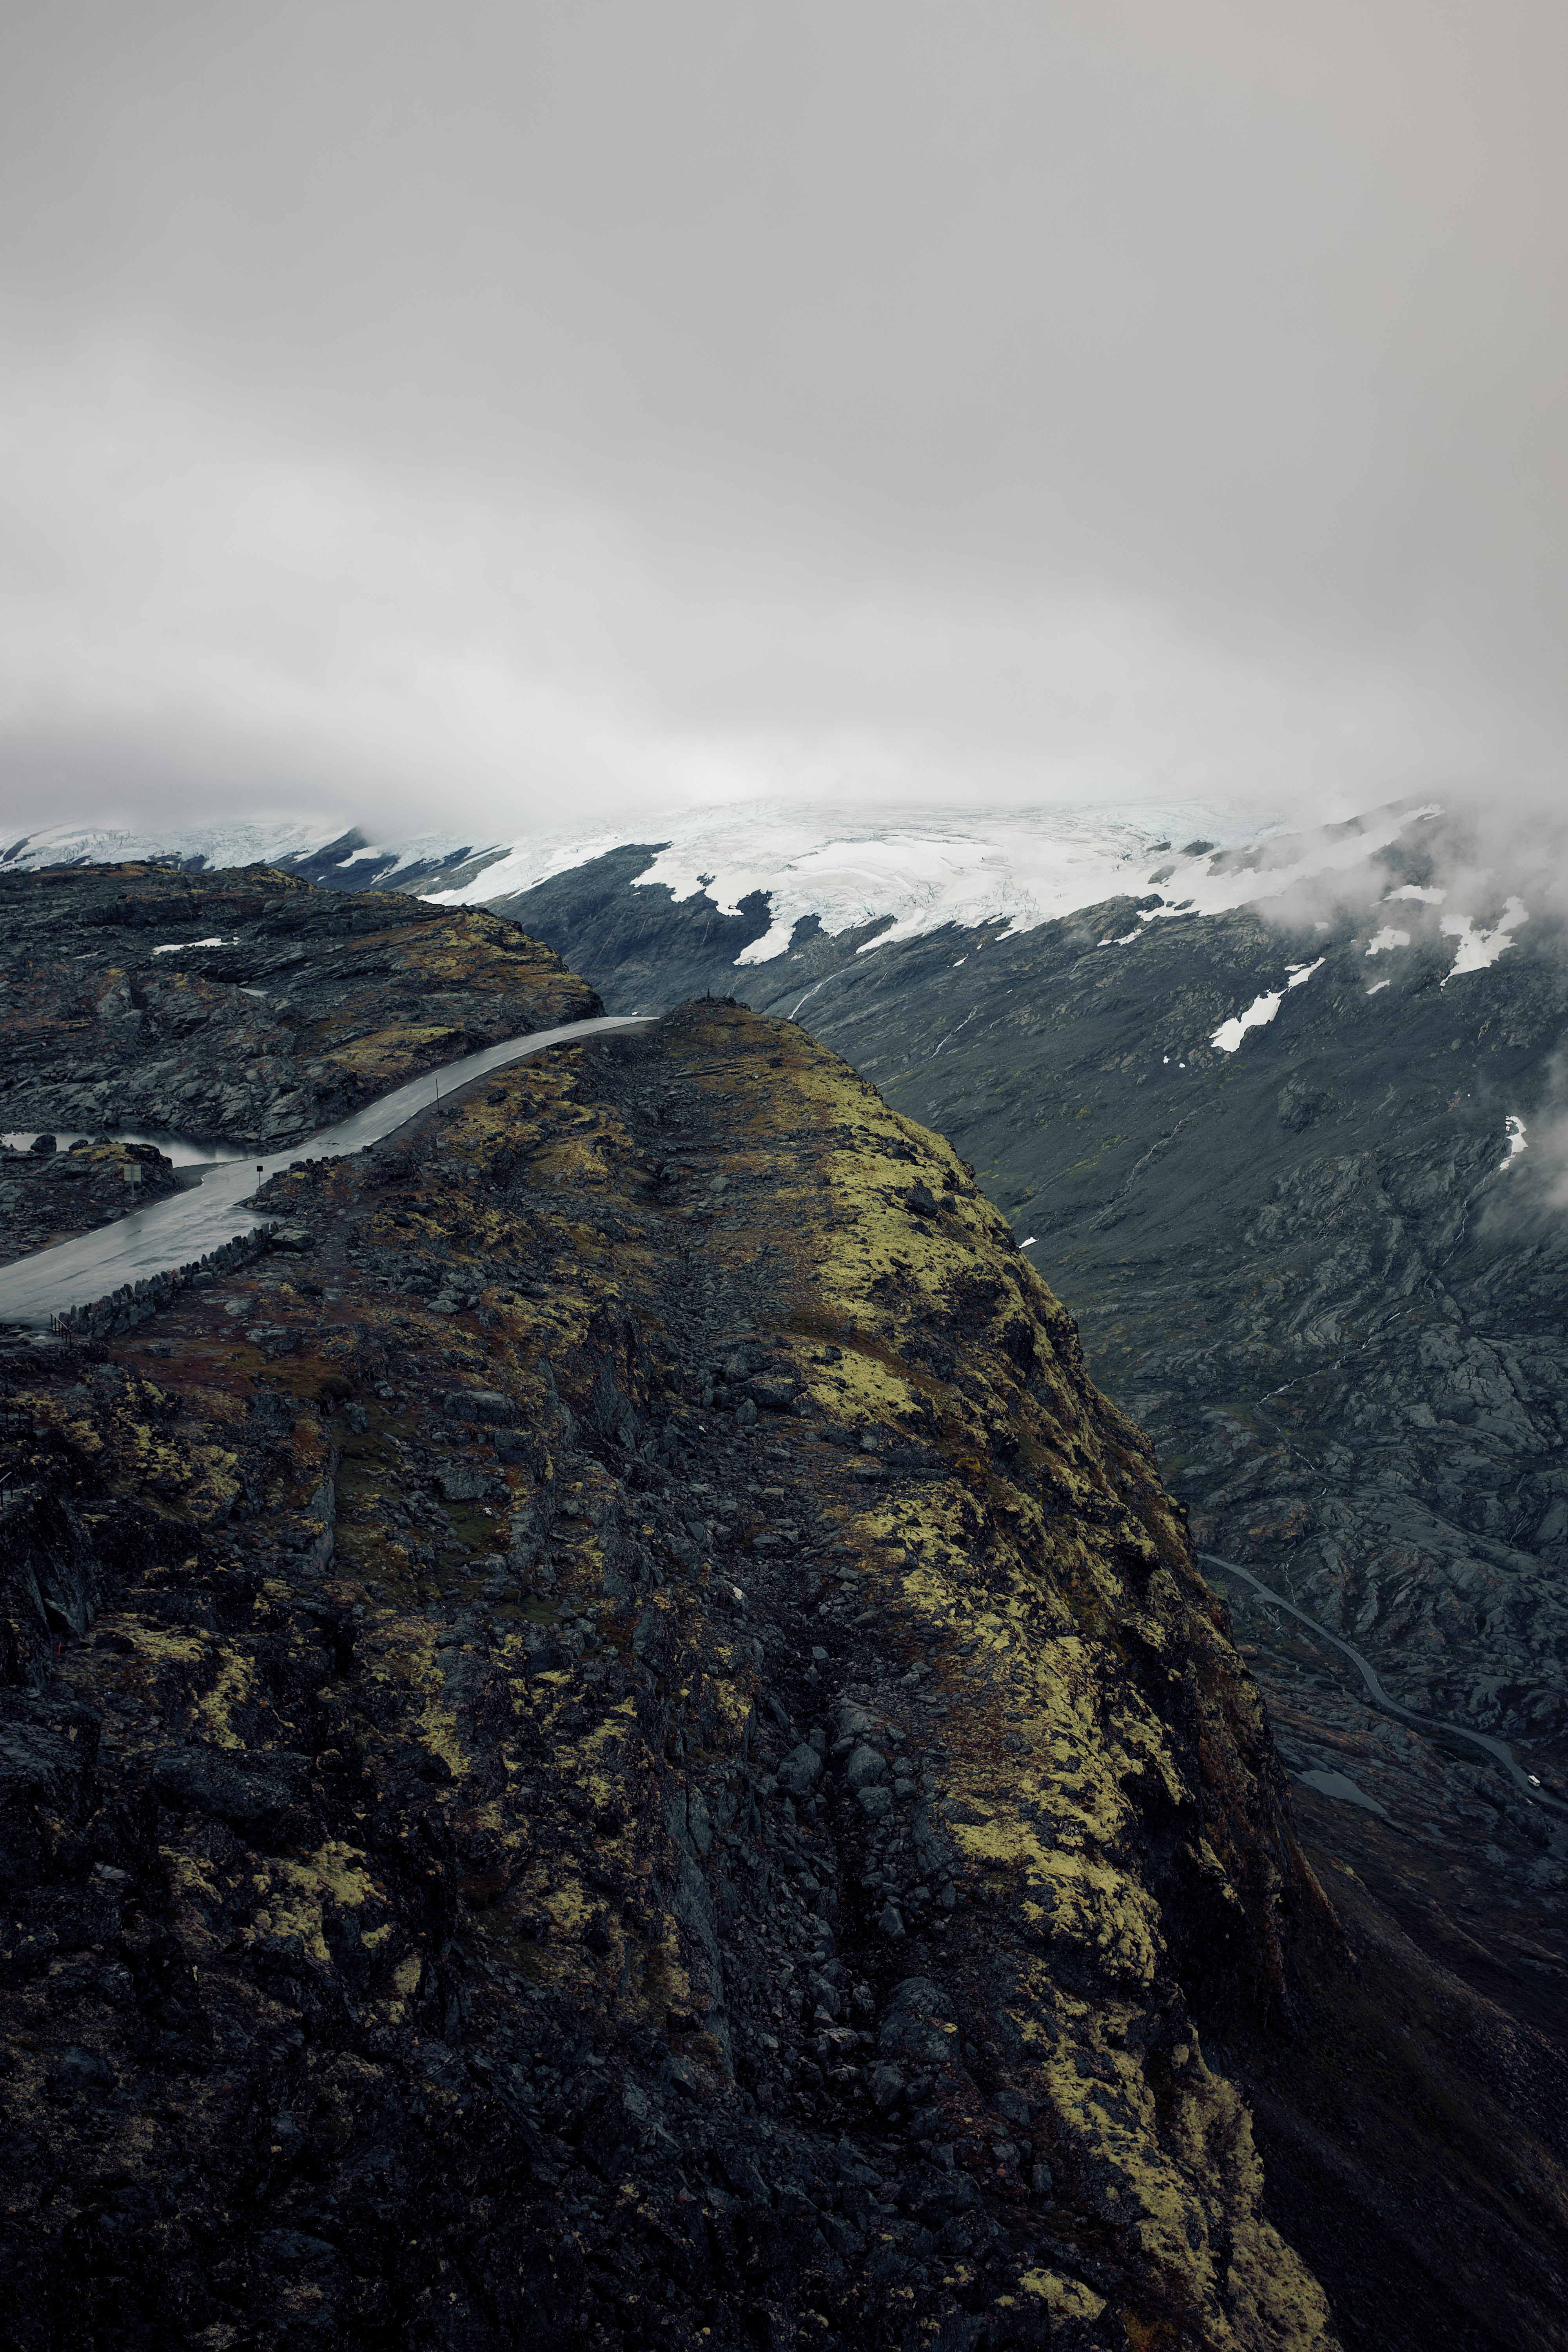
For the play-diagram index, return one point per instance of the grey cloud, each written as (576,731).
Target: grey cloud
(488,406)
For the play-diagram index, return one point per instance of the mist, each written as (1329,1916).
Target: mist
(521,417)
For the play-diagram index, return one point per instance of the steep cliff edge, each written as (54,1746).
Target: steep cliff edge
(616,1748)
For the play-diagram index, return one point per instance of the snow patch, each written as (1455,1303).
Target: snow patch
(1377,985)
(963,1024)
(175,946)
(1261,1010)
(1428,897)
(1479,949)
(1516,1142)
(436,848)
(1386,938)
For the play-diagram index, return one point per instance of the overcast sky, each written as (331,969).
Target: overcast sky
(499,417)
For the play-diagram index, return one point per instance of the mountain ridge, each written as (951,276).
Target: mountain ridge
(687,1184)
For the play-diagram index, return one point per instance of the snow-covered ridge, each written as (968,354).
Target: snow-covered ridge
(913,870)
(283,841)
(216,844)
(907,872)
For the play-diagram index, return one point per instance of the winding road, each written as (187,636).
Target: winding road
(177,1231)
(1498,1749)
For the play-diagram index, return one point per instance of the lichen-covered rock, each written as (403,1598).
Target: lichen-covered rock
(475,1935)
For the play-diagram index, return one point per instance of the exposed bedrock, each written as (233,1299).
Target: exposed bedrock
(243,1007)
(618,1747)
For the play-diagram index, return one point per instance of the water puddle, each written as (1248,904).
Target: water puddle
(184,1151)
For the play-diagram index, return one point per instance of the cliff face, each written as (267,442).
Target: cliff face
(245,1007)
(617,1749)
(1324,1272)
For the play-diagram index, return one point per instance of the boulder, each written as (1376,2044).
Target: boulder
(249,1793)
(914,2029)
(800,1771)
(851,1722)
(482,1404)
(887,2086)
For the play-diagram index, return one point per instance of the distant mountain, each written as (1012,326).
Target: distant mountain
(327,854)
(1271,1119)
(772,871)
(768,910)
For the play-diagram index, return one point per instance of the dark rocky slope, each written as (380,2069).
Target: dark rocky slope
(1303,1267)
(619,1749)
(1307,1270)
(247,1006)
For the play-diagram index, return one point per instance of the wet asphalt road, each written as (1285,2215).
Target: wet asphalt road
(177,1231)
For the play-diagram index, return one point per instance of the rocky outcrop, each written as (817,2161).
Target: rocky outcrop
(46,1195)
(1322,1270)
(245,1007)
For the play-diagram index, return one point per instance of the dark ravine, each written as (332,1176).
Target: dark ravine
(1497,1750)
(619,1748)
